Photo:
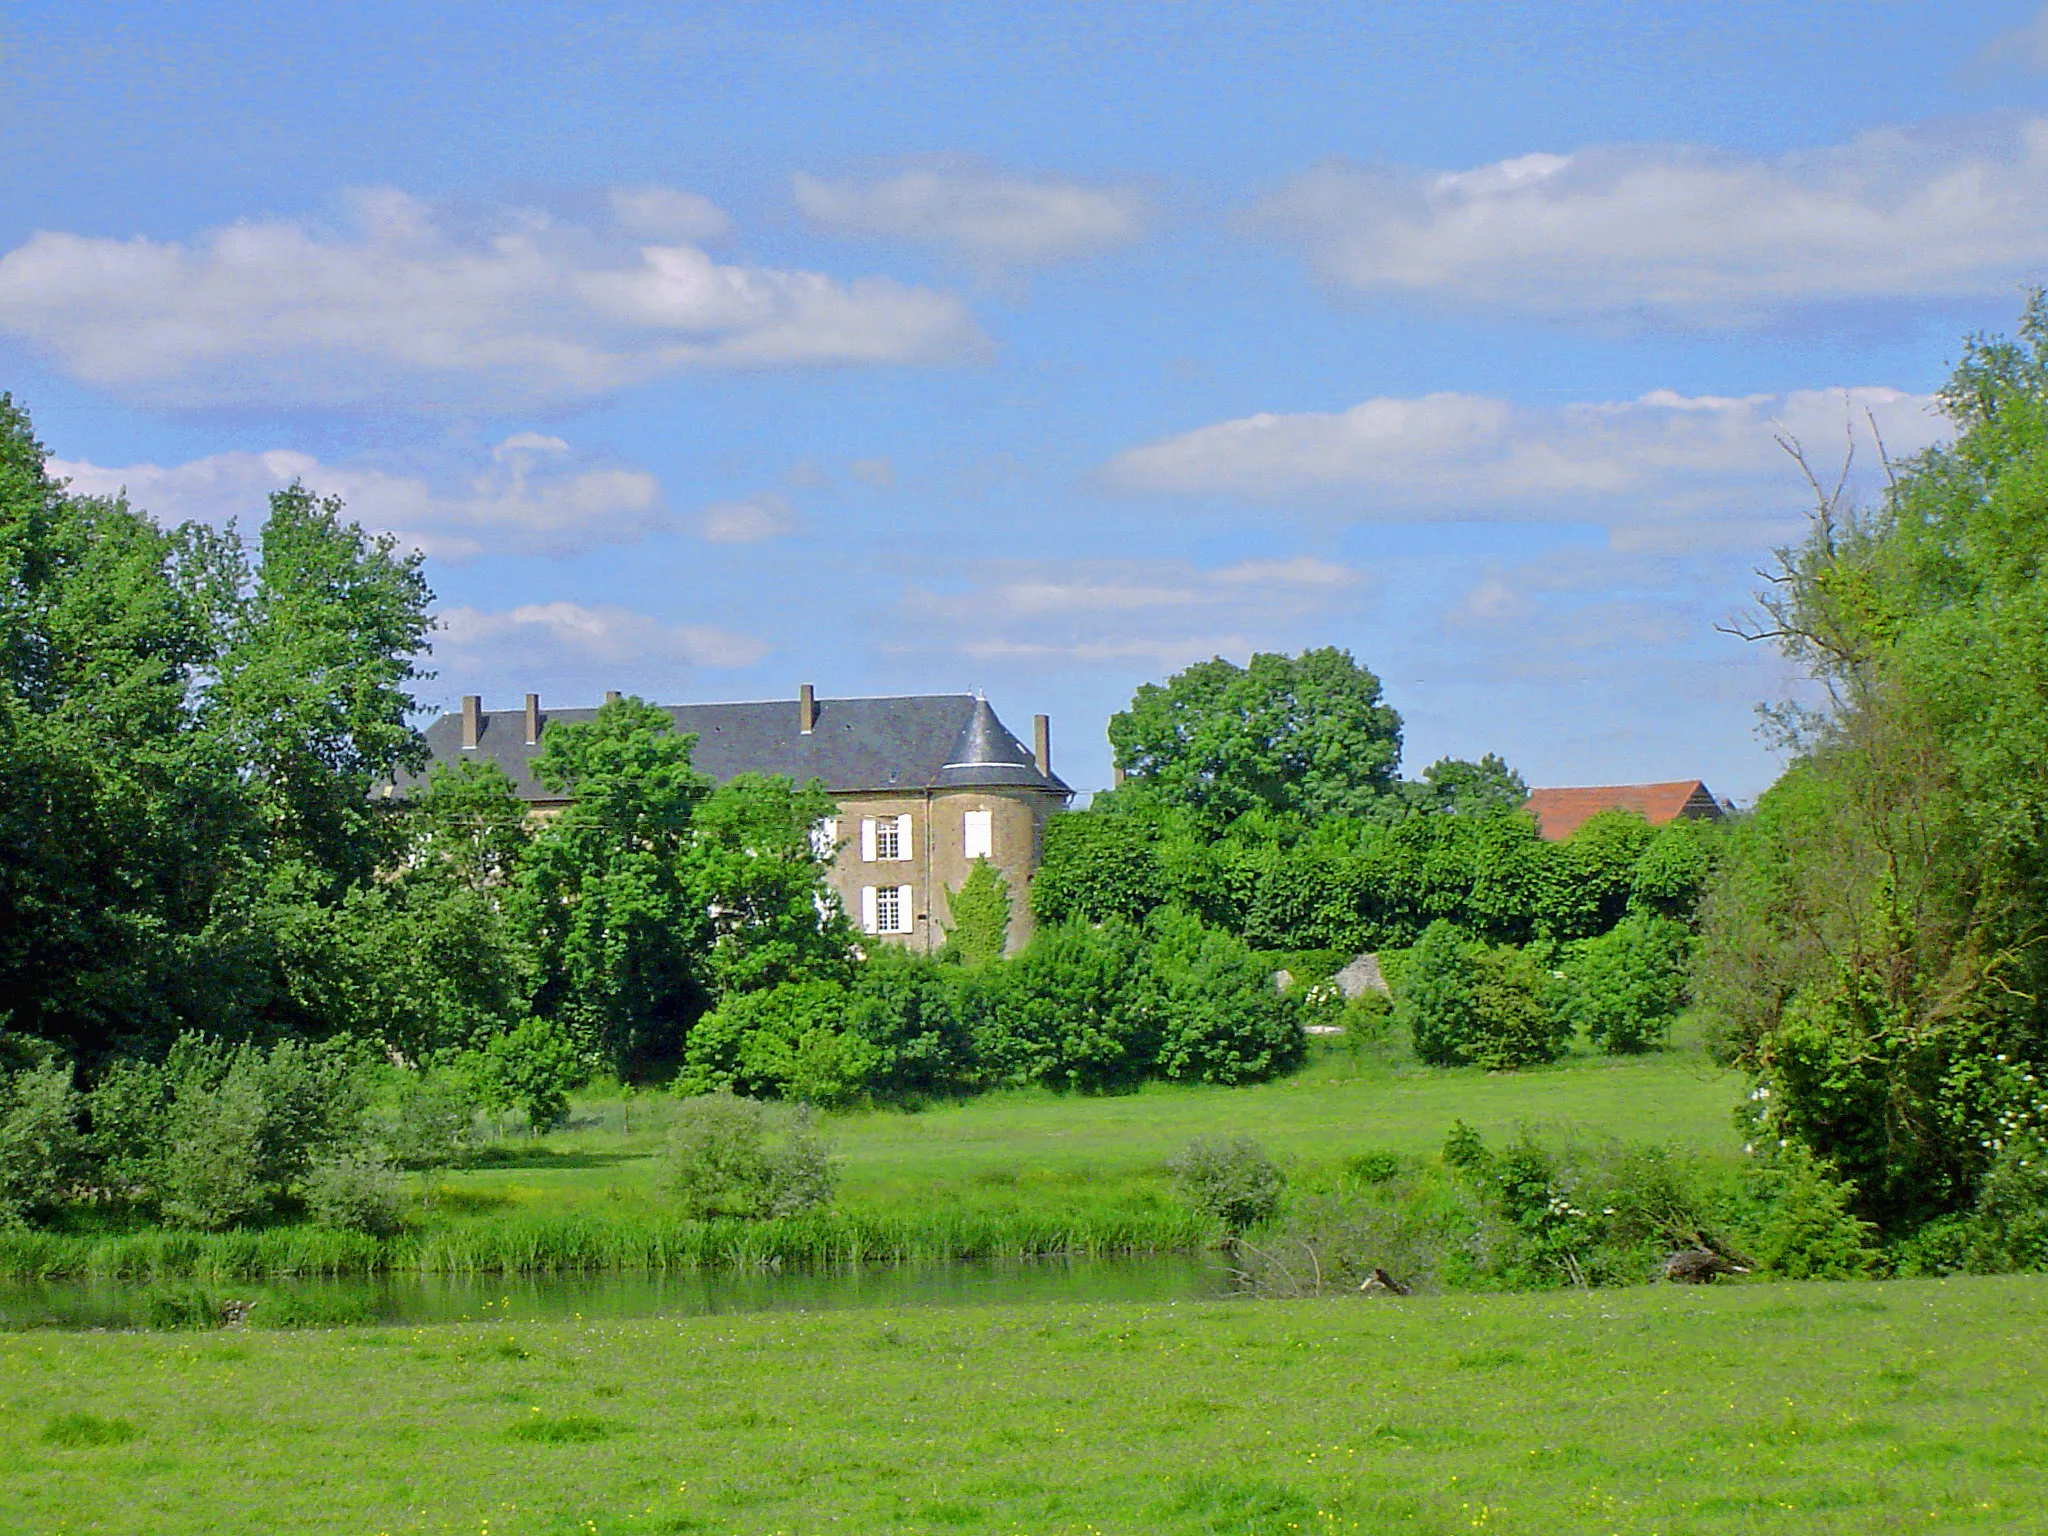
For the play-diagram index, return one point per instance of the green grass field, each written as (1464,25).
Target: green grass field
(1914,1406)
(1032,1148)
(1003,1175)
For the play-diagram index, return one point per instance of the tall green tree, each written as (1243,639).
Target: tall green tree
(1876,947)
(1307,734)
(605,902)
(315,683)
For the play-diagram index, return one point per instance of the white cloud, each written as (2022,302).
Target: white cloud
(1300,571)
(751,521)
(554,632)
(1165,613)
(663,213)
(993,220)
(1662,457)
(535,495)
(1167,654)
(1934,211)
(877,474)
(407,307)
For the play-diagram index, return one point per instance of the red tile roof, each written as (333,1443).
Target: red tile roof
(1561,812)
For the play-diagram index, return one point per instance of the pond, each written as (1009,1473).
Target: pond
(410,1299)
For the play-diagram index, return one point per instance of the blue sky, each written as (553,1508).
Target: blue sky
(707,350)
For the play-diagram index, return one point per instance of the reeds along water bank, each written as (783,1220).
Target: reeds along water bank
(585,1244)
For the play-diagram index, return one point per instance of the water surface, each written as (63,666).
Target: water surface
(407,1299)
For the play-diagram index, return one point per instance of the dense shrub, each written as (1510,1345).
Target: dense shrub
(211,1174)
(1217,1015)
(789,1042)
(1094,868)
(1625,988)
(531,1069)
(1807,1228)
(1072,1010)
(905,1014)
(40,1145)
(718,1163)
(1234,1182)
(354,1192)
(433,1120)
(1467,1004)
(243,1125)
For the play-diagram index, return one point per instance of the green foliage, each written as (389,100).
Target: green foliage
(1626,988)
(1465,1149)
(789,1042)
(905,1013)
(1874,939)
(753,867)
(531,1069)
(1670,876)
(354,1192)
(1095,867)
(1234,1182)
(1452,786)
(1466,1004)
(718,1163)
(980,910)
(605,899)
(433,1120)
(240,1127)
(1069,1011)
(1217,1016)
(189,738)
(40,1145)
(1374,1167)
(1808,1229)
(1308,734)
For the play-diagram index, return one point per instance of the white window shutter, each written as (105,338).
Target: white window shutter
(979,835)
(903,842)
(867,845)
(903,922)
(867,905)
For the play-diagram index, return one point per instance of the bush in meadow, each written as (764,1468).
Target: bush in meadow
(1625,988)
(433,1121)
(1465,1003)
(354,1192)
(786,1042)
(718,1162)
(1213,1006)
(40,1145)
(1234,1182)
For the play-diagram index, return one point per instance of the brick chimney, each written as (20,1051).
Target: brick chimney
(611,695)
(806,708)
(472,720)
(532,719)
(1041,743)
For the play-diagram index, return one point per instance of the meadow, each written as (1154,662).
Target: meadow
(1005,1175)
(1910,1406)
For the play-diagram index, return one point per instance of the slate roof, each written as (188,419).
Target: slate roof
(1561,812)
(920,741)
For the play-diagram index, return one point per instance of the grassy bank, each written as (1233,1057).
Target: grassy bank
(1009,1175)
(1812,1409)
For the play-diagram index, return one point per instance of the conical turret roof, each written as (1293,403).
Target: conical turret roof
(987,754)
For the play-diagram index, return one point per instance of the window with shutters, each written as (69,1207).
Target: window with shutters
(891,909)
(885,837)
(981,834)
